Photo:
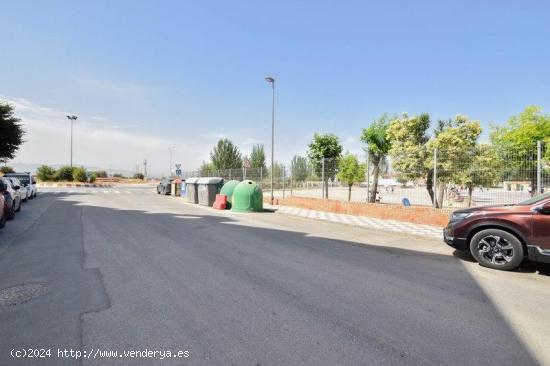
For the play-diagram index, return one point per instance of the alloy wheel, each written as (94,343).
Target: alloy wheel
(495,250)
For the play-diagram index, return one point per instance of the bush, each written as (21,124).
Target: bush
(6,169)
(118,175)
(101,174)
(64,173)
(79,174)
(45,173)
(93,177)
(139,176)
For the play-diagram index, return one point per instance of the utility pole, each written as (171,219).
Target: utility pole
(145,168)
(539,167)
(72,118)
(271,80)
(171,149)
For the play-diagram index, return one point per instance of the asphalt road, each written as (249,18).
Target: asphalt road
(136,271)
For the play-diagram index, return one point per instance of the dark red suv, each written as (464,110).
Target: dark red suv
(501,237)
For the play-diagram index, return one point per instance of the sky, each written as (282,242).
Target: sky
(145,75)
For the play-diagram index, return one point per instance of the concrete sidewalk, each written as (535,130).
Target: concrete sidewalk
(362,221)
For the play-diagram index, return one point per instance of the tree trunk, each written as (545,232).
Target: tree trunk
(349,192)
(430,185)
(375,174)
(326,188)
(440,194)
(470,191)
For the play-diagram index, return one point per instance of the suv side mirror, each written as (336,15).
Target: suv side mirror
(544,208)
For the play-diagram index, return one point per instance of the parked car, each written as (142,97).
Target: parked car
(12,198)
(165,186)
(27,180)
(17,185)
(2,210)
(501,237)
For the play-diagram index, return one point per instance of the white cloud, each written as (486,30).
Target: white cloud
(97,142)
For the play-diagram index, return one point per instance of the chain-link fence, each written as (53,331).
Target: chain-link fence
(441,178)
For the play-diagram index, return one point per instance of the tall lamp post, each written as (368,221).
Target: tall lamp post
(271,81)
(171,148)
(72,118)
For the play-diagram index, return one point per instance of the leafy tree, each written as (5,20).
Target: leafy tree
(408,152)
(378,147)
(257,157)
(456,144)
(206,169)
(6,169)
(11,133)
(101,174)
(325,147)
(516,143)
(350,171)
(277,172)
(139,176)
(226,155)
(79,174)
(64,173)
(483,170)
(93,177)
(298,168)
(46,173)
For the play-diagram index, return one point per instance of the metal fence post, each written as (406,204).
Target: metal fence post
(539,167)
(435,178)
(283,181)
(323,178)
(368,176)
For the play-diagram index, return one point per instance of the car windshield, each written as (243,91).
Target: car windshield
(24,179)
(535,199)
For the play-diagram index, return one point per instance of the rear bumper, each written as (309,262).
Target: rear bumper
(451,240)
(536,254)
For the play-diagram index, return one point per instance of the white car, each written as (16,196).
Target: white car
(27,180)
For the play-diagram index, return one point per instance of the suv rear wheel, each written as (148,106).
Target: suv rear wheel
(497,249)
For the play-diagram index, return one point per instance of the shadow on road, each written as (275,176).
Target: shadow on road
(247,295)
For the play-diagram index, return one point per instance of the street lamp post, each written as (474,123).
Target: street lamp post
(72,119)
(271,80)
(171,148)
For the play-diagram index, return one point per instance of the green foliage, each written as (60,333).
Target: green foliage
(378,146)
(325,146)
(349,170)
(11,132)
(64,173)
(139,176)
(79,174)
(299,169)
(118,175)
(6,169)
(277,172)
(257,157)
(101,174)
(408,136)
(206,169)
(93,177)
(46,173)
(226,155)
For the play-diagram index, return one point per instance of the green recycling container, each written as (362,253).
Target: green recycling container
(228,189)
(247,196)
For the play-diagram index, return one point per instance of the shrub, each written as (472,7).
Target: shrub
(45,173)
(6,169)
(93,177)
(79,174)
(139,176)
(101,174)
(64,173)
(118,175)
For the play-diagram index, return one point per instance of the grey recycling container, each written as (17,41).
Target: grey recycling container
(208,189)
(191,189)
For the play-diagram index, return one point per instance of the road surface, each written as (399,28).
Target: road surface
(123,269)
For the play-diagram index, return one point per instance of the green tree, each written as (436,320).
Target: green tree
(257,157)
(45,173)
(516,143)
(408,152)
(327,148)
(139,176)
(79,174)
(350,171)
(206,169)
(378,147)
(64,173)
(456,144)
(11,133)
(226,155)
(298,168)
(101,174)
(6,169)
(483,170)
